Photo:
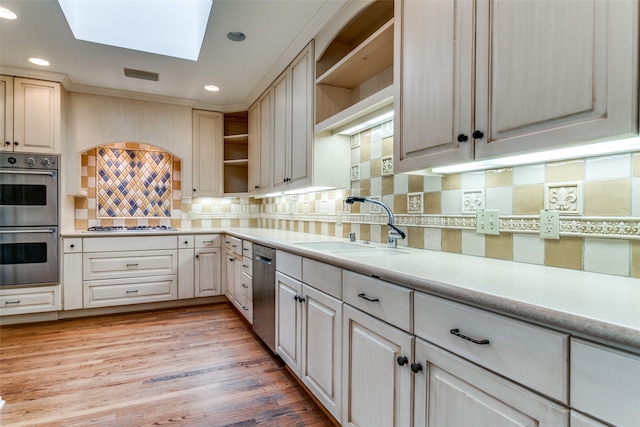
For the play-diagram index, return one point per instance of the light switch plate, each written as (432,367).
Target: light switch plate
(488,221)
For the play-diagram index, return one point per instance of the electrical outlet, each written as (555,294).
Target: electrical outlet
(550,224)
(488,221)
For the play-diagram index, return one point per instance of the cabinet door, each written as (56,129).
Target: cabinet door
(240,283)
(573,82)
(449,391)
(302,83)
(376,389)
(434,67)
(72,280)
(281,130)
(322,348)
(289,321)
(207,272)
(6,113)
(207,154)
(253,173)
(266,140)
(186,273)
(37,119)
(230,274)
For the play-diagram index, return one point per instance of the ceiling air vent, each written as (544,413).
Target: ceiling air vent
(139,74)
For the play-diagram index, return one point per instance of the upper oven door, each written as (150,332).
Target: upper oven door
(28,256)
(28,197)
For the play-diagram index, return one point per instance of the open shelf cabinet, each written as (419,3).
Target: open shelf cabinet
(236,152)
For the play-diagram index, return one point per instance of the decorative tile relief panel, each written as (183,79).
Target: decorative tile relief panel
(386,166)
(564,197)
(415,203)
(472,200)
(133,183)
(355,141)
(355,173)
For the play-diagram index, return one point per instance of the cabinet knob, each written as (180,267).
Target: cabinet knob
(7,143)
(72,246)
(194,190)
(462,138)
(231,259)
(402,360)
(416,367)
(186,242)
(477,134)
(257,187)
(16,143)
(197,256)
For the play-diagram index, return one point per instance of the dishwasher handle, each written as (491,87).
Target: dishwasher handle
(263,259)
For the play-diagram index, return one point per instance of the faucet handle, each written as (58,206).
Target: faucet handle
(395,232)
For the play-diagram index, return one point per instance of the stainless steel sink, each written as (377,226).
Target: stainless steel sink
(335,246)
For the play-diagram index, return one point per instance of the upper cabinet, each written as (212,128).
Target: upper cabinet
(260,137)
(207,153)
(236,152)
(355,71)
(31,115)
(480,79)
(293,123)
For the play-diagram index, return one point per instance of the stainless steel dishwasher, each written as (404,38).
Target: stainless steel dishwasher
(264,294)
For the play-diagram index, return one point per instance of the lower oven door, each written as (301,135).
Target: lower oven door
(28,255)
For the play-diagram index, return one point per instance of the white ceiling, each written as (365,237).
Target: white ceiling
(276,31)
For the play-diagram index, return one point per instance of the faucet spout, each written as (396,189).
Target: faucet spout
(394,232)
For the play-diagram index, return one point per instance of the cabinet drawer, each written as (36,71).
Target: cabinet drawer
(383,300)
(208,241)
(324,277)
(247,248)
(233,244)
(531,355)
(105,293)
(247,287)
(73,245)
(29,300)
(605,383)
(132,243)
(247,266)
(129,264)
(289,264)
(186,242)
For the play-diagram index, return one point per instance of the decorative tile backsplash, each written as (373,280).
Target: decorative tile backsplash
(599,201)
(133,183)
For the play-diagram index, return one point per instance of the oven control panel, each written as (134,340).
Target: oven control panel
(29,161)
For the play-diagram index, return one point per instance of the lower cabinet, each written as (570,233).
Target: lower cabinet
(238,284)
(450,391)
(309,338)
(37,299)
(207,279)
(376,380)
(112,292)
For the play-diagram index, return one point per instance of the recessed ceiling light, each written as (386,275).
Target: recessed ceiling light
(236,36)
(7,14)
(212,88)
(39,61)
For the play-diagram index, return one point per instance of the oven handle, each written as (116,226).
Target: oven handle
(46,230)
(52,174)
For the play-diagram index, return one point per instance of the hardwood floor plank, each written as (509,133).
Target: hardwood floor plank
(195,366)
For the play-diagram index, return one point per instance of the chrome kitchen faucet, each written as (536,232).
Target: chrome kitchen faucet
(394,232)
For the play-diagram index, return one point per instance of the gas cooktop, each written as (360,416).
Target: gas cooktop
(133,228)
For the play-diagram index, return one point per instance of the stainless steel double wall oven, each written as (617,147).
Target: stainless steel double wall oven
(28,219)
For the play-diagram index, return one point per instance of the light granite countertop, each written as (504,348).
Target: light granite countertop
(591,305)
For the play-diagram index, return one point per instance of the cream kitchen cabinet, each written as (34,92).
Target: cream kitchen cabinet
(72,273)
(238,280)
(207,154)
(146,272)
(233,256)
(186,267)
(450,391)
(36,299)
(31,115)
(309,327)
(472,82)
(208,280)
(293,123)
(260,141)
(605,383)
(377,352)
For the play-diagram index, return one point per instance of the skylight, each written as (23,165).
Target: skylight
(165,27)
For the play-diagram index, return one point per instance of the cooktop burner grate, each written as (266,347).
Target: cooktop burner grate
(133,228)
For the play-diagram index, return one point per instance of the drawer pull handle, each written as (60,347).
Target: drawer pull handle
(245,266)
(135,291)
(457,333)
(245,249)
(244,307)
(364,296)
(12,302)
(207,241)
(132,265)
(244,285)
(402,360)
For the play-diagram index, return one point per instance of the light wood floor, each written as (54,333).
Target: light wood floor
(197,366)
